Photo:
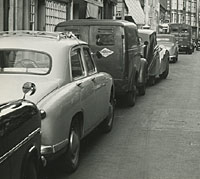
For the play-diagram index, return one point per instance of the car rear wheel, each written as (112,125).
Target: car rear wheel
(30,170)
(106,125)
(71,157)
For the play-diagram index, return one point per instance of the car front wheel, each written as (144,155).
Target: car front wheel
(30,170)
(166,72)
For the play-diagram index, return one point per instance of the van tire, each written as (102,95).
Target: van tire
(152,80)
(131,97)
(142,90)
(107,124)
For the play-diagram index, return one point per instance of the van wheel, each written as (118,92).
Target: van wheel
(142,90)
(71,156)
(131,97)
(152,80)
(106,125)
(30,170)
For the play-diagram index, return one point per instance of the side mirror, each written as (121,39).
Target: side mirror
(98,54)
(28,87)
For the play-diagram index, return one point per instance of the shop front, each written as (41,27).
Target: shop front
(83,9)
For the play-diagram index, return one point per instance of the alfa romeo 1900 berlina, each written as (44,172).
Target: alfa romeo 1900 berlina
(72,96)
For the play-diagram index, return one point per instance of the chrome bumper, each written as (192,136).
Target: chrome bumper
(47,150)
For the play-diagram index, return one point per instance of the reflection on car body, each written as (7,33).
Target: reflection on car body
(157,66)
(20,123)
(73,95)
(170,43)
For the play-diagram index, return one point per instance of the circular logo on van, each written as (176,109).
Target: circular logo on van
(106,52)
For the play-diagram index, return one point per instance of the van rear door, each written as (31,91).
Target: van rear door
(109,41)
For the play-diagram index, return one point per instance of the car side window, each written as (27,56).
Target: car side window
(76,64)
(88,61)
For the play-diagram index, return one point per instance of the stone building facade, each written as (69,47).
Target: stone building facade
(45,14)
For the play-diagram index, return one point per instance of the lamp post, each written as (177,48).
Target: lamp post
(177,12)
(146,9)
(197,19)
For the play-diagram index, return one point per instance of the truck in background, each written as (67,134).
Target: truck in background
(183,34)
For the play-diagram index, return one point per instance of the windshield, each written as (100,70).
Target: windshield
(24,61)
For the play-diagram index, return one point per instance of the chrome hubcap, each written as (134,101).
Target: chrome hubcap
(74,146)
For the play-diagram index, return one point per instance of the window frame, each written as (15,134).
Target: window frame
(77,48)
(92,60)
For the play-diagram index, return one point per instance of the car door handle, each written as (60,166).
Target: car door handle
(79,84)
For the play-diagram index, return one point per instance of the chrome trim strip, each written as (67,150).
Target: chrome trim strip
(48,149)
(19,145)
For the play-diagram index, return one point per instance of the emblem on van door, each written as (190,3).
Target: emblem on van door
(106,52)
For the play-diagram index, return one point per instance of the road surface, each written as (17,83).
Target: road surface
(159,138)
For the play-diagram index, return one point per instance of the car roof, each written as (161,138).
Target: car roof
(37,40)
(100,22)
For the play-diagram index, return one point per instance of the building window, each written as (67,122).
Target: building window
(32,15)
(55,12)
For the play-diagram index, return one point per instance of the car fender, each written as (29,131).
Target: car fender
(61,105)
(132,78)
(142,72)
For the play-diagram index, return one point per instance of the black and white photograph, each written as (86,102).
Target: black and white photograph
(99,89)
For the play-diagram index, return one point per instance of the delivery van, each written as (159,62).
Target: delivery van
(183,34)
(117,47)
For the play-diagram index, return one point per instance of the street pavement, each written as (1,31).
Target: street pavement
(159,138)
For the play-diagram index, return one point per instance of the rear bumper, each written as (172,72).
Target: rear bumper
(172,57)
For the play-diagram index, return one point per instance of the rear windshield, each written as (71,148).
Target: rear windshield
(174,30)
(164,39)
(184,30)
(105,37)
(24,61)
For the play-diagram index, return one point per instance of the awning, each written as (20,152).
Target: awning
(114,1)
(135,10)
(92,11)
(97,3)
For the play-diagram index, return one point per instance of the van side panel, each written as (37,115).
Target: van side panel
(108,41)
(132,54)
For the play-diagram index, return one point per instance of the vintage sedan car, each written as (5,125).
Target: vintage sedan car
(158,64)
(170,43)
(73,95)
(20,123)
